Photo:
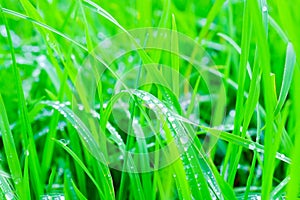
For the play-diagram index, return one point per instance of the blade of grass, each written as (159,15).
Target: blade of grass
(279,190)
(26,126)
(11,152)
(49,144)
(77,191)
(6,190)
(81,164)
(293,186)
(264,58)
(237,48)
(75,145)
(288,22)
(89,142)
(245,47)
(26,175)
(290,62)
(246,143)
(69,191)
(252,168)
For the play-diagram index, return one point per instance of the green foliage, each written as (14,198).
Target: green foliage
(87,111)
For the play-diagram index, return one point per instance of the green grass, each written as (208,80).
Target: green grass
(95,103)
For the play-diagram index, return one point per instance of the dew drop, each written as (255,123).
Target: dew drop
(251,146)
(17,180)
(94,114)
(264,8)
(9,196)
(80,107)
(64,141)
(165,110)
(27,152)
(185,148)
(130,59)
(174,125)
(47,37)
(184,139)
(171,119)
(151,106)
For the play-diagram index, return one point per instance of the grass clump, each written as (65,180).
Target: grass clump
(149,99)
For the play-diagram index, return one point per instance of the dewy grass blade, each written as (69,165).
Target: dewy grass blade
(69,191)
(11,152)
(25,123)
(293,186)
(251,102)
(269,98)
(279,190)
(252,168)
(43,25)
(237,48)
(49,144)
(194,175)
(76,146)
(248,144)
(6,190)
(26,175)
(245,47)
(174,58)
(85,169)
(88,141)
(289,22)
(78,193)
(290,62)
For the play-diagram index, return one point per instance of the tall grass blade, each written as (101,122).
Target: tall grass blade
(290,62)
(11,152)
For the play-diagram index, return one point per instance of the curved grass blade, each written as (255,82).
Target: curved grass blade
(269,97)
(279,190)
(11,152)
(245,45)
(6,190)
(49,144)
(25,123)
(69,190)
(77,191)
(88,141)
(290,62)
(181,132)
(248,144)
(237,48)
(81,164)
(293,185)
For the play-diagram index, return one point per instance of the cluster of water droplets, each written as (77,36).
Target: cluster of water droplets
(181,138)
(6,190)
(72,118)
(53,196)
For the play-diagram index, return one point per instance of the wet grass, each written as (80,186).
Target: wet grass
(205,108)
